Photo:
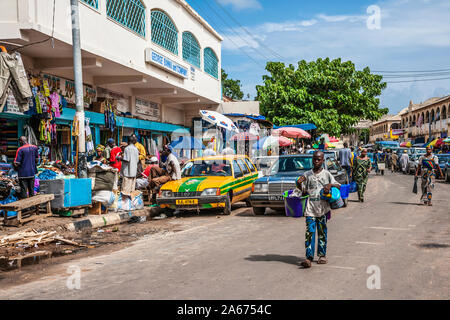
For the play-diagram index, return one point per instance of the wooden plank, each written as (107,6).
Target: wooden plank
(28,202)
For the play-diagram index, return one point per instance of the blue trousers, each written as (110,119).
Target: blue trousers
(312,224)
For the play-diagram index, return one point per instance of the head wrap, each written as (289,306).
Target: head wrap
(100,147)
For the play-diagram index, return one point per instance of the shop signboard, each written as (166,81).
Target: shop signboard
(123,102)
(148,108)
(165,63)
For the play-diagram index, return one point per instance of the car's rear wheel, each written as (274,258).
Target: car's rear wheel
(259,211)
(227,209)
(248,203)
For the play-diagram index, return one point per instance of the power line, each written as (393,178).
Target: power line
(418,75)
(418,71)
(42,41)
(235,32)
(237,46)
(248,32)
(418,80)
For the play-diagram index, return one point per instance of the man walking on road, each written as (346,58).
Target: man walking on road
(27,157)
(344,159)
(311,183)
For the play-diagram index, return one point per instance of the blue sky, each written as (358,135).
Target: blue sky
(414,35)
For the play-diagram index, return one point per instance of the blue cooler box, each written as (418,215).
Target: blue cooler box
(68,192)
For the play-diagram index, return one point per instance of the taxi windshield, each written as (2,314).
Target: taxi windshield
(201,168)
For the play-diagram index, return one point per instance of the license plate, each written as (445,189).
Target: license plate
(276,198)
(187,202)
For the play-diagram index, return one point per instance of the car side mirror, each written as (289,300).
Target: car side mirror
(333,171)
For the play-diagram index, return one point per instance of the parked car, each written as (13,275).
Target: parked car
(446,171)
(267,192)
(444,161)
(210,182)
(413,163)
(263,164)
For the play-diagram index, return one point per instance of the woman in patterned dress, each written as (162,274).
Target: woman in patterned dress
(362,167)
(428,165)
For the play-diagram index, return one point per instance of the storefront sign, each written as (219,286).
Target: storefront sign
(148,108)
(123,102)
(159,60)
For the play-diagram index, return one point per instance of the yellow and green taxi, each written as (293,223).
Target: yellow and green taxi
(210,182)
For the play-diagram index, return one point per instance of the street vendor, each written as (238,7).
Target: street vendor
(142,152)
(311,183)
(27,157)
(130,159)
(116,151)
(100,154)
(172,171)
(142,181)
(428,168)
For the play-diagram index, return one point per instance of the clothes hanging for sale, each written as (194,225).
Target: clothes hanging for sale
(89,141)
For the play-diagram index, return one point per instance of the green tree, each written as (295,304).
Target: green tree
(231,88)
(331,94)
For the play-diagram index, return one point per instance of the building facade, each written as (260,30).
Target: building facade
(426,121)
(159,60)
(381,130)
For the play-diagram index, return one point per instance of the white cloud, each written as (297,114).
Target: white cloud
(239,5)
(414,35)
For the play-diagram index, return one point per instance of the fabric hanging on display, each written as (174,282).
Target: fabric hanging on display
(31,137)
(89,142)
(14,76)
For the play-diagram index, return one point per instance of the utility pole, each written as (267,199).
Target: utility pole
(78,77)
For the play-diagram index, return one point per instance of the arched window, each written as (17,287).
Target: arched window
(444,113)
(432,116)
(414,120)
(211,63)
(92,3)
(164,32)
(410,121)
(191,49)
(438,115)
(427,117)
(129,13)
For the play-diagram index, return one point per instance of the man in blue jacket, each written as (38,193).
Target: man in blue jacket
(27,157)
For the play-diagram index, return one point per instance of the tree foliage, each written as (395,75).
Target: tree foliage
(329,93)
(231,88)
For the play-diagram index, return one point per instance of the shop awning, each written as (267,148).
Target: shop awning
(99,119)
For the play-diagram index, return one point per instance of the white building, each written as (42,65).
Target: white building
(158,51)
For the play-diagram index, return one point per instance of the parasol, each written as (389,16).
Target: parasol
(291,132)
(272,142)
(219,120)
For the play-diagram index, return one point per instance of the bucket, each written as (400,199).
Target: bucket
(333,196)
(345,190)
(294,206)
(353,187)
(337,204)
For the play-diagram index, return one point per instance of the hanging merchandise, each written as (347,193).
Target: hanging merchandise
(14,76)
(55,101)
(89,142)
(31,138)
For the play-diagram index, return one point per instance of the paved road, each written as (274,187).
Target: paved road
(247,257)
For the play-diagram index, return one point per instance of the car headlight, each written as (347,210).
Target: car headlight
(210,192)
(261,187)
(166,193)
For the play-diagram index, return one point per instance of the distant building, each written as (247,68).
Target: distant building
(426,120)
(381,129)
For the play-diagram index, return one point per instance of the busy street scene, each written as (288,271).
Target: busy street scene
(165,150)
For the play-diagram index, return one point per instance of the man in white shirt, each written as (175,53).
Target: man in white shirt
(130,161)
(228,150)
(209,150)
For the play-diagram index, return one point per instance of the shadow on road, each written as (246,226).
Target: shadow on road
(276,257)
(407,203)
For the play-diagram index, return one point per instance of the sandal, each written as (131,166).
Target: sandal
(322,260)
(306,264)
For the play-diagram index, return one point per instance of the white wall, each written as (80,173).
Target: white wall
(106,38)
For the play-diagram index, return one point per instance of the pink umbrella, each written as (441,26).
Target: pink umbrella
(291,132)
(244,136)
(334,139)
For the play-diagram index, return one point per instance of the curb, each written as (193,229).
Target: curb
(109,219)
